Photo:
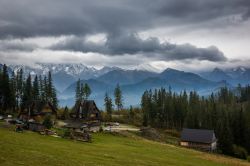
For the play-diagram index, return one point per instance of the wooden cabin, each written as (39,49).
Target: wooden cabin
(198,139)
(86,110)
(37,112)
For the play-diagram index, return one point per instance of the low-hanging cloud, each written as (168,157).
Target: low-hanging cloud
(132,44)
(16,45)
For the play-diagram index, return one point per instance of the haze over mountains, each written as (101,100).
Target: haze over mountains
(133,82)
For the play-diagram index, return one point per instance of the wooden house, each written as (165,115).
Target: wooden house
(86,110)
(198,139)
(37,112)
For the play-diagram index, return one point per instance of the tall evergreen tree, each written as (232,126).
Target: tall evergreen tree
(20,86)
(225,140)
(35,90)
(13,90)
(118,97)
(108,106)
(87,91)
(7,99)
(78,91)
(42,89)
(27,98)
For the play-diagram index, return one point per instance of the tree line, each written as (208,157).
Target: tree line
(18,92)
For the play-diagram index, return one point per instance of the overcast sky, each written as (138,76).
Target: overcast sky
(182,34)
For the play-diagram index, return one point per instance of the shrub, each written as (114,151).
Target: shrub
(66,133)
(240,152)
(48,122)
(173,133)
(101,129)
(248,158)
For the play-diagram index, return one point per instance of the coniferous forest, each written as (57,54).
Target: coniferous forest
(18,92)
(227,112)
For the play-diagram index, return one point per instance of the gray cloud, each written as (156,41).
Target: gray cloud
(29,18)
(133,44)
(16,45)
(121,21)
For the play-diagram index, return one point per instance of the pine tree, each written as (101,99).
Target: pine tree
(87,91)
(118,97)
(78,91)
(224,135)
(13,89)
(41,89)
(27,96)
(20,87)
(7,99)
(108,106)
(1,91)
(51,91)
(49,88)
(131,114)
(35,90)
(45,89)
(54,98)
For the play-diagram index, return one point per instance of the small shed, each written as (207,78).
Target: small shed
(86,110)
(199,139)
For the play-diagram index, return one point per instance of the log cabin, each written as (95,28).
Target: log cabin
(198,139)
(38,111)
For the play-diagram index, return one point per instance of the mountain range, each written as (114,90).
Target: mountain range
(133,82)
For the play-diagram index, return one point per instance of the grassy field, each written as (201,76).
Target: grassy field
(33,149)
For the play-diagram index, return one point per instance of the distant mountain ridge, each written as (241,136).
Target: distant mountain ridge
(63,74)
(133,82)
(234,76)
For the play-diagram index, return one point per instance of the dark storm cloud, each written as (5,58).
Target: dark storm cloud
(200,10)
(29,18)
(133,44)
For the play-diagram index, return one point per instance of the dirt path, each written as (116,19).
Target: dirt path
(122,127)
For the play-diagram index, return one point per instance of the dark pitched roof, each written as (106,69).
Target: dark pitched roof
(87,105)
(198,135)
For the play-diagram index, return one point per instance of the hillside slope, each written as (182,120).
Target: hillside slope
(33,149)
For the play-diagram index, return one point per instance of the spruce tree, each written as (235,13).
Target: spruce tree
(1,91)
(224,135)
(13,89)
(7,99)
(20,86)
(108,106)
(51,91)
(27,98)
(35,90)
(78,91)
(41,89)
(118,97)
(87,91)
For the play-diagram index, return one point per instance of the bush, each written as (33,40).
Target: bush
(66,133)
(240,152)
(101,129)
(173,133)
(48,122)
(248,158)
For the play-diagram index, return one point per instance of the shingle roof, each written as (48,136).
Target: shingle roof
(198,135)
